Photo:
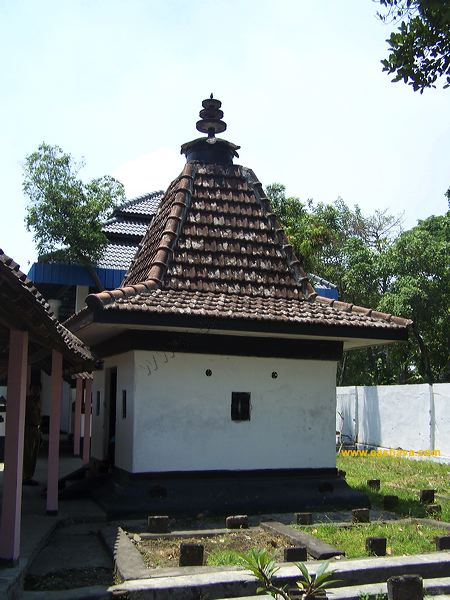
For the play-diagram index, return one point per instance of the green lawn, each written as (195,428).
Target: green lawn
(402,538)
(400,476)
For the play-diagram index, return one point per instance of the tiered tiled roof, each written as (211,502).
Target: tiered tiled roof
(22,306)
(126,228)
(215,250)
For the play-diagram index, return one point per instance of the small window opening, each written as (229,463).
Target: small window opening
(240,406)
(97,405)
(124,404)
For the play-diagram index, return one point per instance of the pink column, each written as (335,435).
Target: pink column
(87,422)
(53,439)
(14,434)
(77,417)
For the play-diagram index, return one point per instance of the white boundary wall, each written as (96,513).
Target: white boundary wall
(411,417)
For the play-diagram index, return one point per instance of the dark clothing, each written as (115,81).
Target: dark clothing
(32,439)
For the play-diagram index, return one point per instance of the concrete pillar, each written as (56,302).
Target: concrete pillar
(53,440)
(87,422)
(14,434)
(80,296)
(77,417)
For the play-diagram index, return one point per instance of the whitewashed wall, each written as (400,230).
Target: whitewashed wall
(415,417)
(182,418)
(441,395)
(100,422)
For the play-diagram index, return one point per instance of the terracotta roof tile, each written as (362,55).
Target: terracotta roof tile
(215,249)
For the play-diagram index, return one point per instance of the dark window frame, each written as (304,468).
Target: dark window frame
(240,406)
(124,404)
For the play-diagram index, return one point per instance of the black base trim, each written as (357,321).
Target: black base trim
(232,345)
(52,513)
(122,475)
(225,492)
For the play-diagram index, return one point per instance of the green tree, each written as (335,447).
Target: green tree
(420,290)
(65,213)
(419,51)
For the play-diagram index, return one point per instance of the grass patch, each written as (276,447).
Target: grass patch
(402,538)
(221,549)
(402,477)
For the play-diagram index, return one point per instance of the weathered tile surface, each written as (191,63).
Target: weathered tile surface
(215,249)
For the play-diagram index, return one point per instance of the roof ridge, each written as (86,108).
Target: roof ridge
(294,265)
(158,267)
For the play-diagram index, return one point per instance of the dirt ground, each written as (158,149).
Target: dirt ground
(68,579)
(166,553)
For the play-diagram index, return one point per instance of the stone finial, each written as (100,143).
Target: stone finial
(211,118)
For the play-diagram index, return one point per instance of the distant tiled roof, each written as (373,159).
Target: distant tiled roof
(147,204)
(18,293)
(118,255)
(125,229)
(129,228)
(215,249)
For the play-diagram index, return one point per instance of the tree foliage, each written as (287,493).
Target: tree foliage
(420,290)
(419,51)
(375,264)
(65,213)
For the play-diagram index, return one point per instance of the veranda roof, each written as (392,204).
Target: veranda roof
(23,307)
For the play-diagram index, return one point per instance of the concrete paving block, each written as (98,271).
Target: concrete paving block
(304,518)
(405,587)
(191,555)
(295,554)
(360,515)
(158,524)
(443,542)
(427,496)
(376,546)
(237,522)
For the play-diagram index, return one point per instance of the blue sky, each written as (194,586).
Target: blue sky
(121,83)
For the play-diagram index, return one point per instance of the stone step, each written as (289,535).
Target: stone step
(434,588)
(351,573)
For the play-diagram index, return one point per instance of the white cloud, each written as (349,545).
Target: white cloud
(149,172)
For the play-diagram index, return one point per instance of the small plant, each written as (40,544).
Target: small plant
(262,564)
(370,597)
(314,586)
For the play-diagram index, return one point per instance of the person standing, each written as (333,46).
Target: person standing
(32,439)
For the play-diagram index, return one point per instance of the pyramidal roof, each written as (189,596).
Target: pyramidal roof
(216,250)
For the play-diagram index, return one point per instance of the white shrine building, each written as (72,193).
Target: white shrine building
(218,386)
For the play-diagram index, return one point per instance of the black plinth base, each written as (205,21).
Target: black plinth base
(226,493)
